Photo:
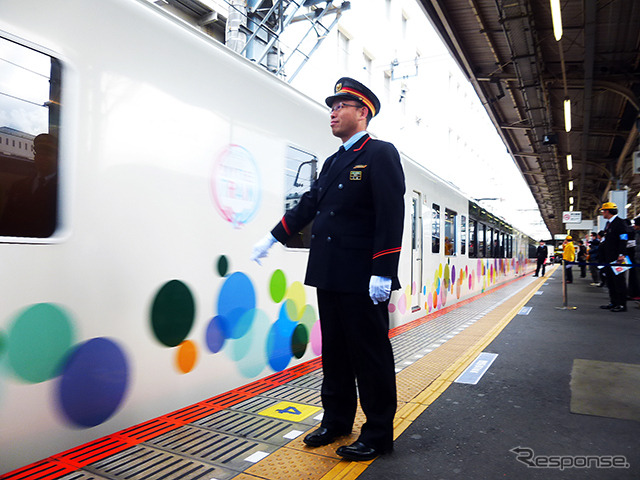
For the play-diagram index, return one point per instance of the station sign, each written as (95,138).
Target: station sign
(571,217)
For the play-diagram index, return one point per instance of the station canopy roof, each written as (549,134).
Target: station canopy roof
(523,75)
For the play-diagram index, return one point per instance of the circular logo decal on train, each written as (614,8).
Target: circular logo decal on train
(235,185)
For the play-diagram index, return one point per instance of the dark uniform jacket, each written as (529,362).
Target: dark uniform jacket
(615,241)
(542,252)
(357,211)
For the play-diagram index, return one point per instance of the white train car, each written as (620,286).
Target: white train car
(127,291)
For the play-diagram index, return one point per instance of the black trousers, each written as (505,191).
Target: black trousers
(617,285)
(595,273)
(356,351)
(540,263)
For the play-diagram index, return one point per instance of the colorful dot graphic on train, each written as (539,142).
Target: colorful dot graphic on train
(244,332)
(92,376)
(447,280)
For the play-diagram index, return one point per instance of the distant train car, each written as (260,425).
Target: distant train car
(139,162)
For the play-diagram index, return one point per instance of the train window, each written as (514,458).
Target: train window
(482,243)
(490,250)
(473,238)
(449,232)
(463,235)
(29,116)
(300,173)
(435,228)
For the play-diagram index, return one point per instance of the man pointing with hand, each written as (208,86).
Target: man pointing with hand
(357,209)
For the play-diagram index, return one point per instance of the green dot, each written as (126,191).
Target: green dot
(3,343)
(299,340)
(223,265)
(172,313)
(291,309)
(309,317)
(38,342)
(278,286)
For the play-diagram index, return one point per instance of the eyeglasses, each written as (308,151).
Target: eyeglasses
(341,105)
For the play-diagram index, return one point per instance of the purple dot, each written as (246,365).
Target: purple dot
(93,383)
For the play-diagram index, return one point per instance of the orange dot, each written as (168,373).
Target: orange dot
(187,356)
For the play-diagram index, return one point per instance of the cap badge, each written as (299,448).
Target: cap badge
(338,87)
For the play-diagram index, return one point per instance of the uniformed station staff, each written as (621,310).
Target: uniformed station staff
(613,251)
(357,209)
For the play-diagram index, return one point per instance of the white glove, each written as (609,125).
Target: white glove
(379,288)
(261,249)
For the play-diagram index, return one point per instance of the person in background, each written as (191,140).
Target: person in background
(600,259)
(31,209)
(568,255)
(592,257)
(614,252)
(582,258)
(541,257)
(357,208)
(633,251)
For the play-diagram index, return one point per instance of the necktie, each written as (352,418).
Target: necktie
(335,165)
(606,227)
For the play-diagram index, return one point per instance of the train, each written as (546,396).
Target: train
(169,157)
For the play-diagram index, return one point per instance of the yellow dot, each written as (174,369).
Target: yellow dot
(297,295)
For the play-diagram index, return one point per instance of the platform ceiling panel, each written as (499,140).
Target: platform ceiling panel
(523,76)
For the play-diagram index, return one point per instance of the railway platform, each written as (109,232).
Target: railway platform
(510,385)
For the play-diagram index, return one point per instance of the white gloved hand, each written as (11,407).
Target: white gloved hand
(379,288)
(261,249)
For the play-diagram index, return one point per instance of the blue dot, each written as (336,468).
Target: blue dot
(236,297)
(249,351)
(215,336)
(93,383)
(279,341)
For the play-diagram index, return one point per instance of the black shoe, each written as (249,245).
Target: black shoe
(535,275)
(619,308)
(358,451)
(607,307)
(323,436)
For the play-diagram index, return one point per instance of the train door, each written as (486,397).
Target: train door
(416,250)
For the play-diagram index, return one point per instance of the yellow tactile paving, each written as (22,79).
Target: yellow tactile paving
(288,464)
(419,385)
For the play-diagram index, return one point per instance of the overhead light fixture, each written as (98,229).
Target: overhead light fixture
(567,115)
(571,185)
(569,162)
(556,18)
(570,200)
